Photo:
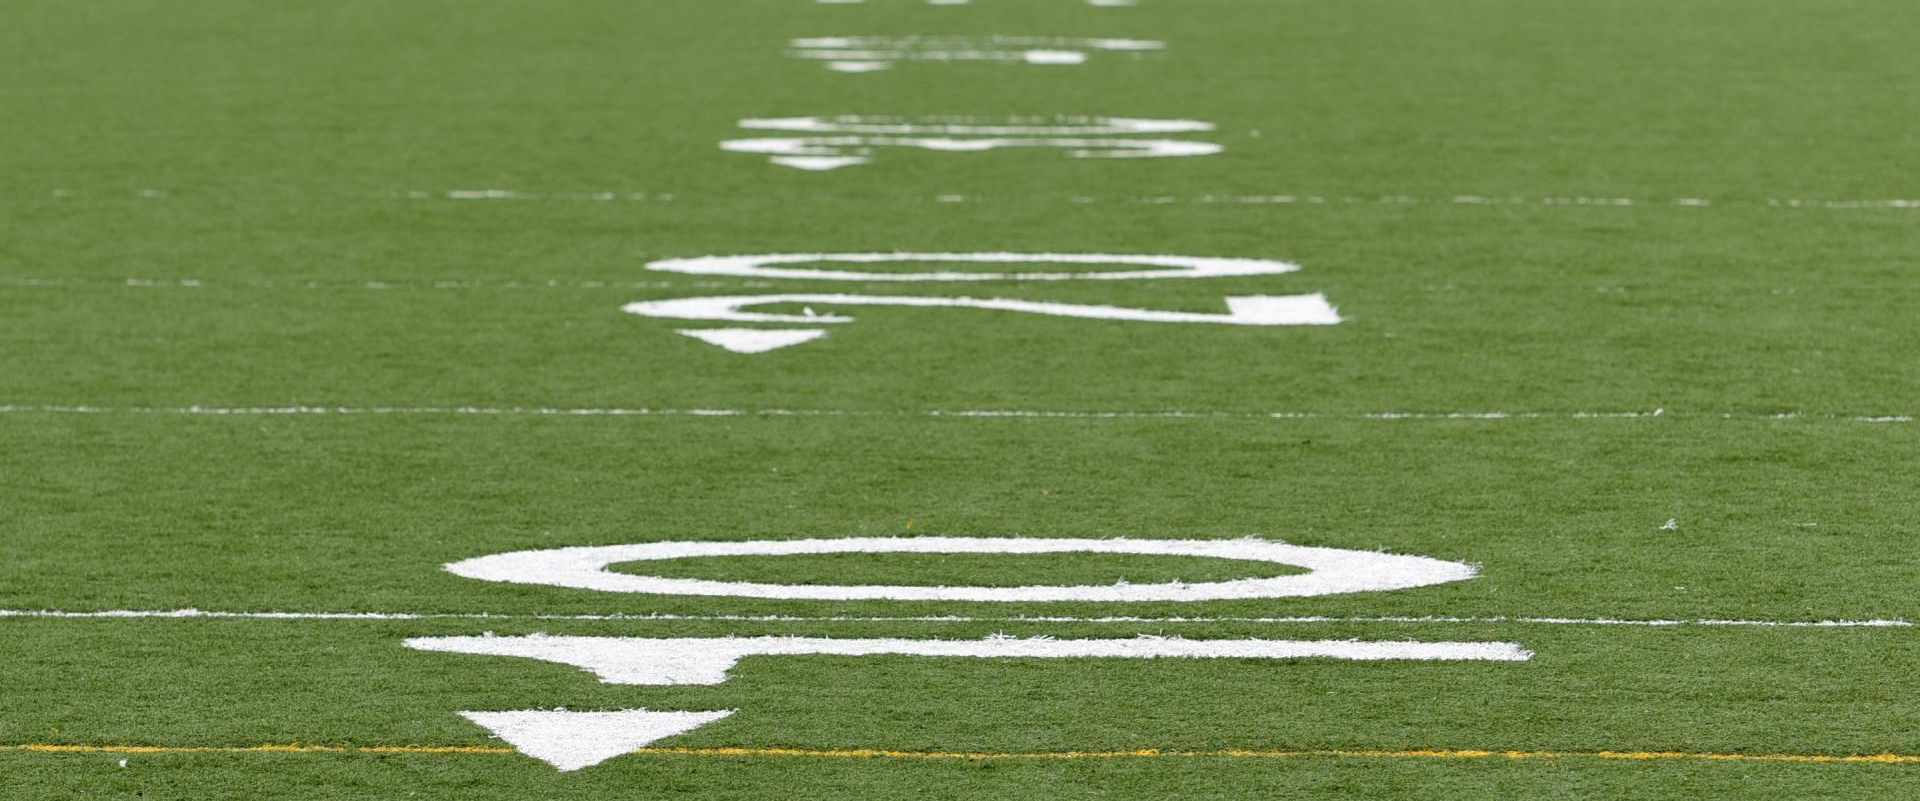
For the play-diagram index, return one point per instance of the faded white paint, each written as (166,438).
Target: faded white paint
(858,54)
(1254,310)
(1330,570)
(574,740)
(768,265)
(706,660)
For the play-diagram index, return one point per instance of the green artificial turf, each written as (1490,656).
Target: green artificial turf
(1601,266)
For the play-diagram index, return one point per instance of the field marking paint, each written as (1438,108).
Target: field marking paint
(645,617)
(821,153)
(1887,758)
(834,142)
(858,66)
(965,125)
(271,748)
(865,54)
(706,660)
(817,163)
(752,340)
(1331,571)
(961,414)
(380,285)
(1251,310)
(573,740)
(768,266)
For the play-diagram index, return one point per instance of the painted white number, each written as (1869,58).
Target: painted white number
(865,54)
(573,740)
(1243,310)
(1330,570)
(834,142)
(771,265)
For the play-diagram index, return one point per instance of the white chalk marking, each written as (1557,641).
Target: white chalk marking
(1251,310)
(699,660)
(752,340)
(574,740)
(767,266)
(1331,571)
(643,617)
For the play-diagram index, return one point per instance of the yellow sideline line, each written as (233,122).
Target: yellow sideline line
(879,753)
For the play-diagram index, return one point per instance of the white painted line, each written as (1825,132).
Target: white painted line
(768,266)
(1331,571)
(1253,310)
(964,414)
(574,740)
(444,283)
(645,617)
(698,660)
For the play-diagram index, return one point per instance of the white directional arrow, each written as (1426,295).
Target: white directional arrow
(818,163)
(1260,310)
(575,740)
(752,340)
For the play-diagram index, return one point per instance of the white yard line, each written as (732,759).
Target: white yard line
(1210,199)
(204,614)
(296,283)
(963,414)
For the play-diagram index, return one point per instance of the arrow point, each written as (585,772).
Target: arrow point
(818,163)
(753,340)
(574,740)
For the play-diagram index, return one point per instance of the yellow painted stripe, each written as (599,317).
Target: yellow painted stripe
(880,753)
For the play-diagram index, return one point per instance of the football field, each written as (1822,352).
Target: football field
(959,399)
